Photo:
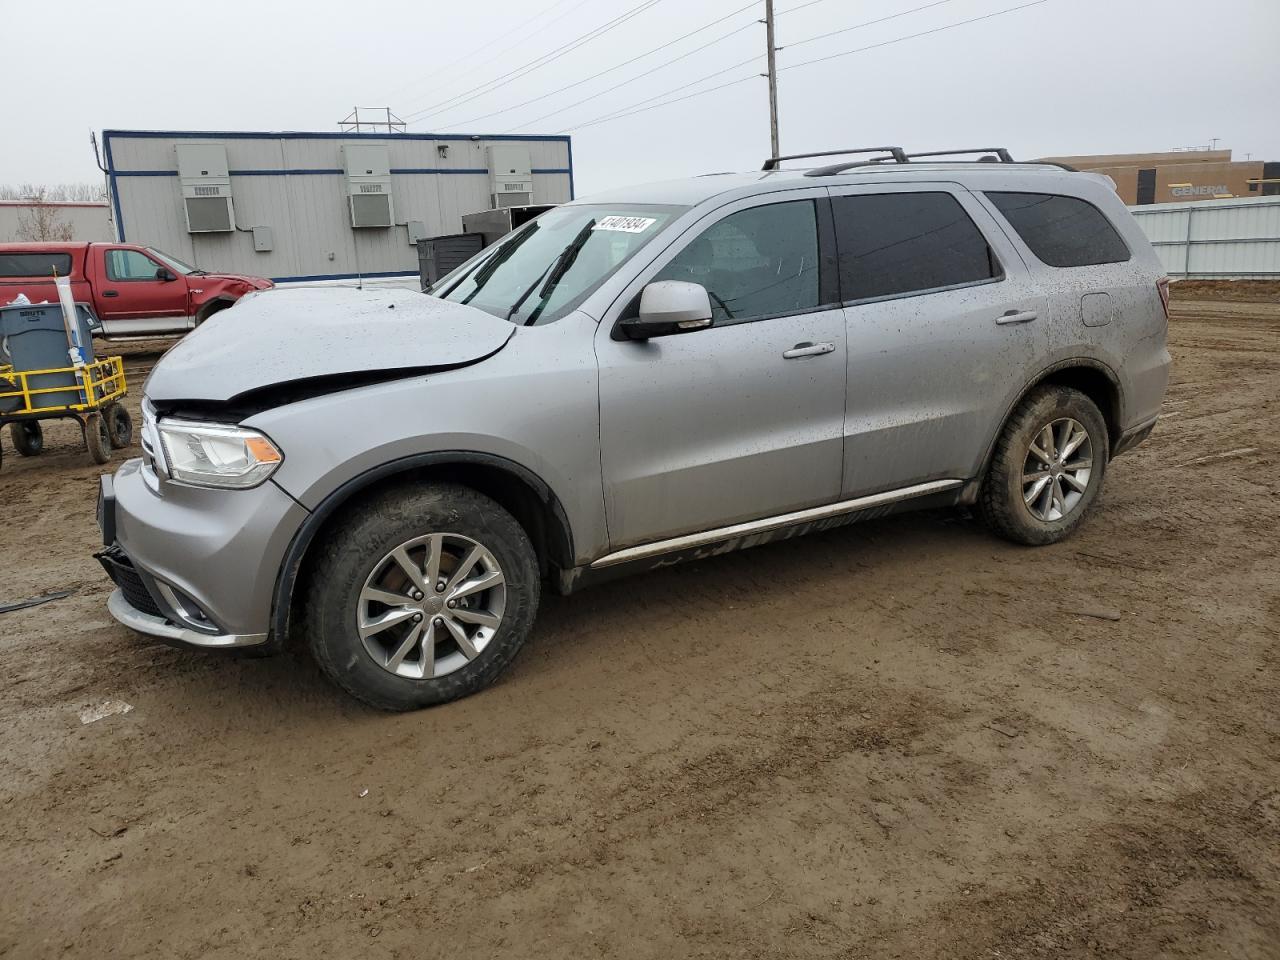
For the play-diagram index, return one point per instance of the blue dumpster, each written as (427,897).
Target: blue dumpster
(34,337)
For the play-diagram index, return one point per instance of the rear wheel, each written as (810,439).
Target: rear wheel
(421,596)
(1047,469)
(27,437)
(119,424)
(97,438)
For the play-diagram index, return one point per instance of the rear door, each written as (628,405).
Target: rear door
(944,325)
(741,420)
(129,288)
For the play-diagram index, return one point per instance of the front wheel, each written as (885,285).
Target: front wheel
(97,437)
(421,595)
(27,437)
(1047,468)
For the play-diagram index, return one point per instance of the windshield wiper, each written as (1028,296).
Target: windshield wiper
(487,269)
(558,269)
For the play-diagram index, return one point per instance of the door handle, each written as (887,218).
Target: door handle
(111,293)
(808,350)
(1015,316)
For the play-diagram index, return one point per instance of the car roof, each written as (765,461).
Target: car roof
(692,191)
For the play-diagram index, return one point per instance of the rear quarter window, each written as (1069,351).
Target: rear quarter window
(35,264)
(1062,231)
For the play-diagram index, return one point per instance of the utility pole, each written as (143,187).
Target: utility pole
(773,78)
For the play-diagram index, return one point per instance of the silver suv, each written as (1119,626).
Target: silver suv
(667,371)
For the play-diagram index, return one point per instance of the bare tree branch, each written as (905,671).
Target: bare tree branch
(84,192)
(42,220)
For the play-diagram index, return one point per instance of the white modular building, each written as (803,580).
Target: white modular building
(318,206)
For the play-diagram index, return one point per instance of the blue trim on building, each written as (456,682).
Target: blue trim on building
(327,135)
(294,172)
(334,171)
(115,194)
(346,276)
(569,143)
(405,170)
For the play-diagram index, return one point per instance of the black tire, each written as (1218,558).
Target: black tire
(1001,500)
(212,309)
(359,545)
(97,438)
(119,424)
(27,437)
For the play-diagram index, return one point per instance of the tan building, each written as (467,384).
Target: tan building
(1181,175)
(54,220)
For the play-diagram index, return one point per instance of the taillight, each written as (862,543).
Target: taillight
(1162,285)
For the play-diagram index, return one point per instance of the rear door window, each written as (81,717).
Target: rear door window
(35,264)
(898,244)
(1062,231)
(130,265)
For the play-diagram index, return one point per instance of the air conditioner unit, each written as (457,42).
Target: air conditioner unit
(368,181)
(510,176)
(206,187)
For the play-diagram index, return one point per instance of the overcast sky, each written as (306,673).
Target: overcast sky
(1058,77)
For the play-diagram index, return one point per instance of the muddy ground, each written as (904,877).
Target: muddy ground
(900,739)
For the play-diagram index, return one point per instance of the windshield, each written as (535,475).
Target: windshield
(172,262)
(545,269)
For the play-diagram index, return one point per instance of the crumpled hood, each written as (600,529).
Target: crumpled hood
(276,337)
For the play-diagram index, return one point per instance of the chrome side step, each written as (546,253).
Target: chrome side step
(773,523)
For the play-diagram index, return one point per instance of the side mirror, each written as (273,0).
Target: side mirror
(668,307)
(164,274)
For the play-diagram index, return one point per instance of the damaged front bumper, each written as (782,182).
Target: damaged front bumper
(134,603)
(192,566)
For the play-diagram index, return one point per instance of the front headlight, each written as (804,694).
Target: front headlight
(217,454)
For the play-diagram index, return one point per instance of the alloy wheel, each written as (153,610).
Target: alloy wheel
(431,605)
(1056,472)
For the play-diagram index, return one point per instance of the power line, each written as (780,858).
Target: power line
(625,63)
(628,111)
(534,64)
(856,26)
(485,46)
(627,82)
(619,66)
(868,23)
(923,33)
(619,116)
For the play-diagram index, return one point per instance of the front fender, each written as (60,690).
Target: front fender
(534,404)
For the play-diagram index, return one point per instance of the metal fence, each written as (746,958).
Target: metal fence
(1215,239)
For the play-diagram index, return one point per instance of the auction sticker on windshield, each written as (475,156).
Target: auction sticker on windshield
(625,224)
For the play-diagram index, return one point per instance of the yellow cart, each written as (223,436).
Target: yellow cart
(89,394)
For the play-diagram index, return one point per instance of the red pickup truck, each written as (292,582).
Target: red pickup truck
(133,290)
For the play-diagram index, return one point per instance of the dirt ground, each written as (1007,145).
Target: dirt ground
(899,739)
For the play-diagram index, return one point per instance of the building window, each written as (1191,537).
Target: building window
(1147,186)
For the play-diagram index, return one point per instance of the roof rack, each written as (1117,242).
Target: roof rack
(898,155)
(895,153)
(994,154)
(999,152)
